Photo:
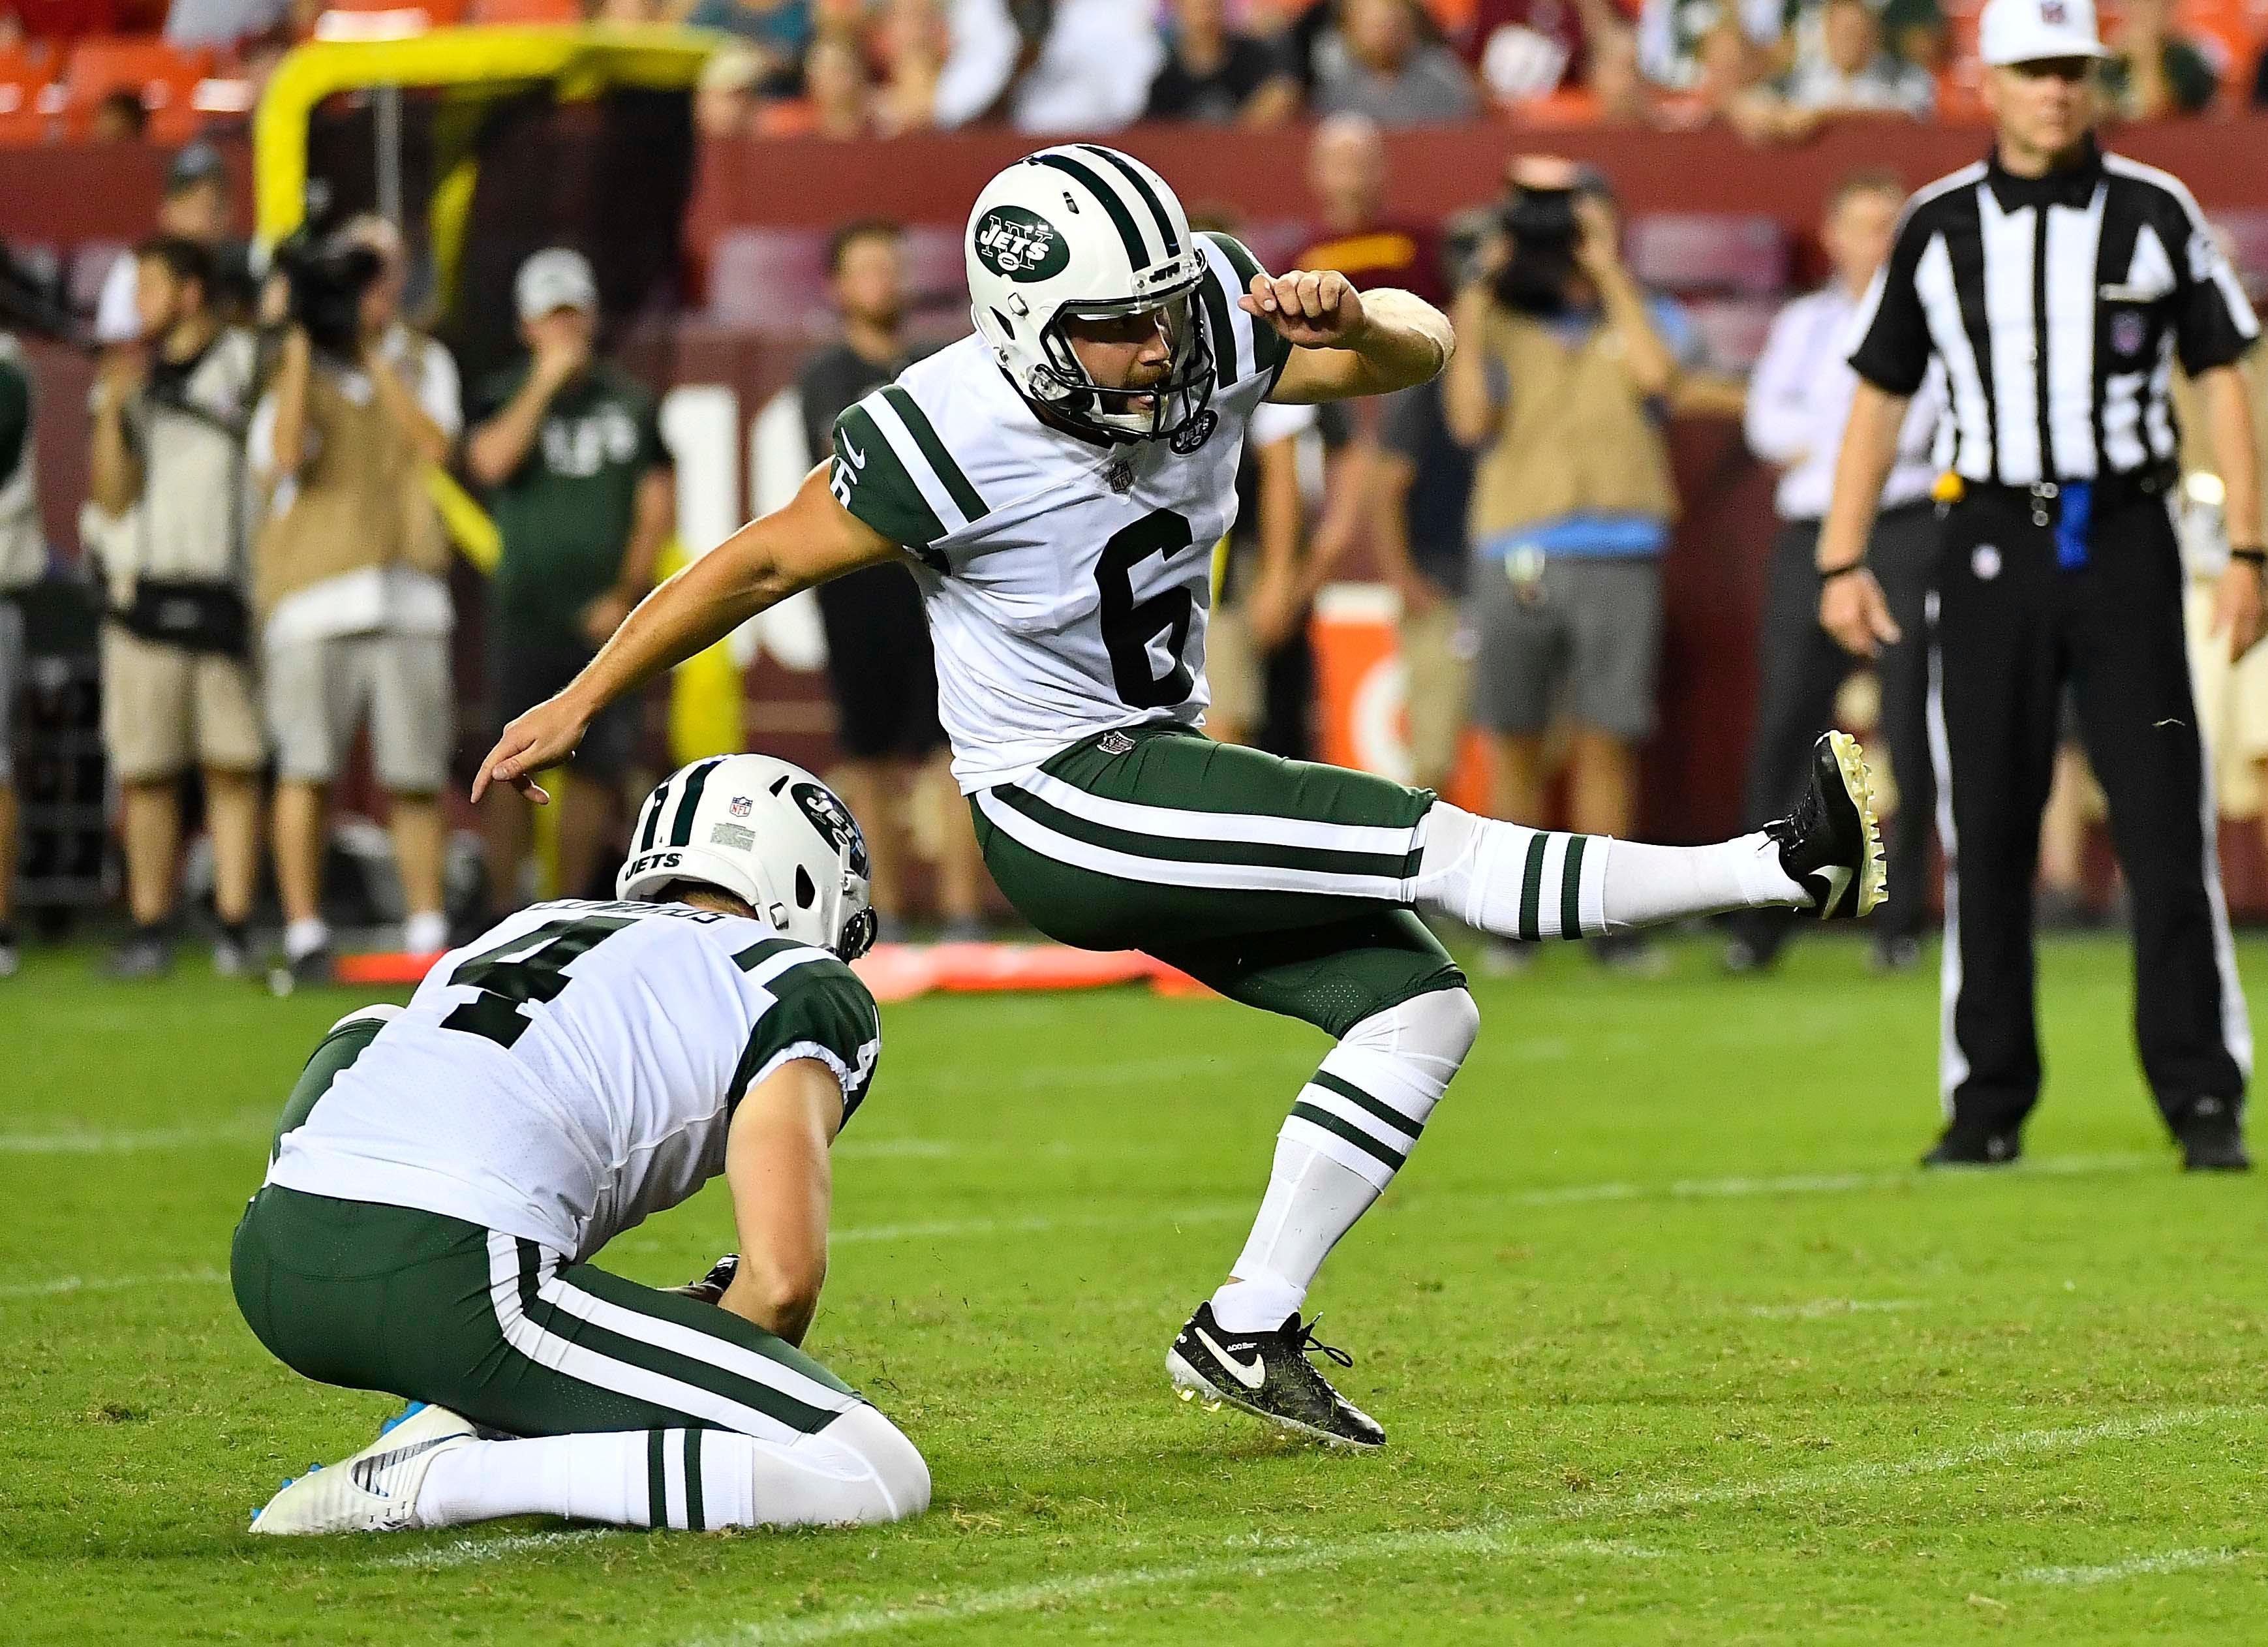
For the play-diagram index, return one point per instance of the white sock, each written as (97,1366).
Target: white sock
(1514,882)
(858,1469)
(1642,885)
(425,933)
(1339,1148)
(304,937)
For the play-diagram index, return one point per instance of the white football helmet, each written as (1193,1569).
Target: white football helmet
(1082,232)
(768,833)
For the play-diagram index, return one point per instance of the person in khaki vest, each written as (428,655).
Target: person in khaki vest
(1564,370)
(349,591)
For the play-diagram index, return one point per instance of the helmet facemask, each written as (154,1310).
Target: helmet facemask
(1156,412)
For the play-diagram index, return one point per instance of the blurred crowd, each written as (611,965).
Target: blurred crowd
(264,538)
(1774,70)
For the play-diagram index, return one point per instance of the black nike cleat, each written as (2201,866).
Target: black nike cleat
(1269,1375)
(1830,844)
(2212,1138)
(1974,1147)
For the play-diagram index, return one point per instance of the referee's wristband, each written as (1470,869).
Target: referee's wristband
(1833,572)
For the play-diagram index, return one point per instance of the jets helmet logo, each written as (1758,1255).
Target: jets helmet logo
(834,823)
(1021,245)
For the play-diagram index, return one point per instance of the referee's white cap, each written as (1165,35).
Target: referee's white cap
(2033,31)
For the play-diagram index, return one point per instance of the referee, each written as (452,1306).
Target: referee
(2058,284)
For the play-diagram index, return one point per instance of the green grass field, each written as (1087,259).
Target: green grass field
(1670,1340)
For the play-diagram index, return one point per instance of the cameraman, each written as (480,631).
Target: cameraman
(350,573)
(176,654)
(1561,381)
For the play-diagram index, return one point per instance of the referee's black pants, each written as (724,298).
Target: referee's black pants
(1801,667)
(2010,628)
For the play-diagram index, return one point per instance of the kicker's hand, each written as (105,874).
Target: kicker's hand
(1310,308)
(544,736)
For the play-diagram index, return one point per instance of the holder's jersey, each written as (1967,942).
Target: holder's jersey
(1066,581)
(575,1069)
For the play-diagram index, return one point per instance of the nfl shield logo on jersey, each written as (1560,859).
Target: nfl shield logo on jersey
(738,806)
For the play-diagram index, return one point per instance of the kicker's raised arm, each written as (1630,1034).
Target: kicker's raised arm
(1347,342)
(809,539)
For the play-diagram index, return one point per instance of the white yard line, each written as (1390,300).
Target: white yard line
(2132,1567)
(81,1143)
(56,1285)
(469,1552)
(1834,1478)
(1820,1308)
(1229,1211)
(1260,1559)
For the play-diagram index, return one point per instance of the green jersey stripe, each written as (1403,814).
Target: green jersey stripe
(1177,849)
(1362,1100)
(681,832)
(1142,188)
(1137,254)
(1352,1134)
(965,497)
(1220,319)
(762,950)
(657,1486)
(1240,256)
(1531,888)
(1269,351)
(882,492)
(695,1521)
(1570,888)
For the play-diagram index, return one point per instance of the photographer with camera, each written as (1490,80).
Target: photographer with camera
(350,571)
(1563,376)
(168,461)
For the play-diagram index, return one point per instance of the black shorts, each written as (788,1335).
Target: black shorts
(525,668)
(880,667)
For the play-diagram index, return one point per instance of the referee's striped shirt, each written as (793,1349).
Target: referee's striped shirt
(2059,305)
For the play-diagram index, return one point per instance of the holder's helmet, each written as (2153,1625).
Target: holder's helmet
(768,832)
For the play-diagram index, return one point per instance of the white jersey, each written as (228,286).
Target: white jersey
(1066,581)
(575,1069)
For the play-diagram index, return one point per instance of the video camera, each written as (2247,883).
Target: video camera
(1540,221)
(327,270)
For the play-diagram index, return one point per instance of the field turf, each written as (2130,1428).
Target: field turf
(1670,1340)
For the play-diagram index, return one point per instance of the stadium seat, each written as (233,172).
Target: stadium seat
(935,272)
(1703,252)
(525,11)
(90,267)
(774,279)
(1733,329)
(164,74)
(2247,235)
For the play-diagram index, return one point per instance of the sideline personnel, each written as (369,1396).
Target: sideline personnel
(2055,282)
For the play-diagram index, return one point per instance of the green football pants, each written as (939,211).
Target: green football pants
(1283,884)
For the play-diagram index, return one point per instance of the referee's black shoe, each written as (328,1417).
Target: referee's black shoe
(1964,1146)
(2211,1139)
(1830,844)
